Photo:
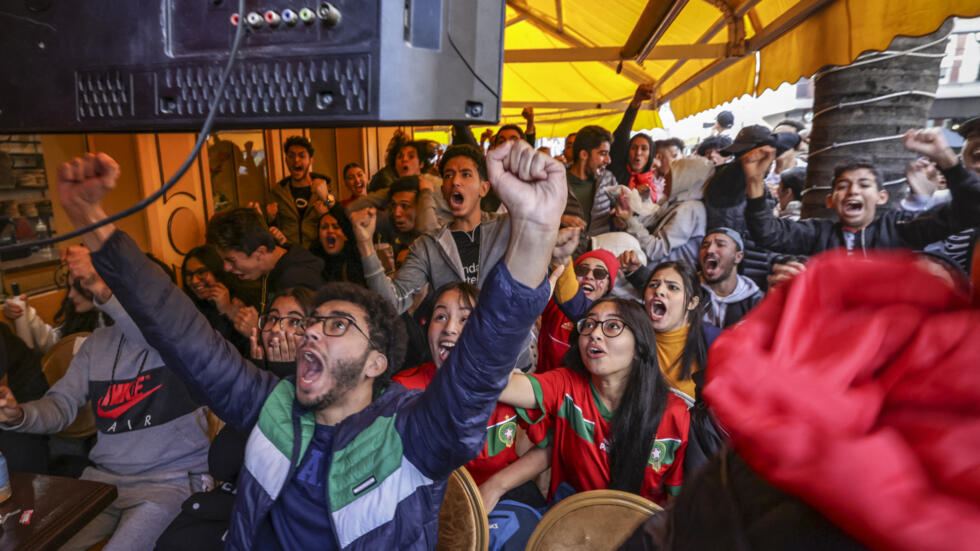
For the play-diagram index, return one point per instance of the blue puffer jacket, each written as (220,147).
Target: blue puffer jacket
(389,461)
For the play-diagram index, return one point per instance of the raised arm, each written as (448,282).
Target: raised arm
(166,317)
(447,426)
(768,232)
(619,151)
(963,210)
(401,288)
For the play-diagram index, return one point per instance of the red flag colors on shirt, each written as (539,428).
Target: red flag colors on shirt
(498,451)
(579,428)
(856,387)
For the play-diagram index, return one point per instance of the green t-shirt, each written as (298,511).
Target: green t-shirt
(584,191)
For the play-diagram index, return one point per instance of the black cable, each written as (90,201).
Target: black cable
(202,137)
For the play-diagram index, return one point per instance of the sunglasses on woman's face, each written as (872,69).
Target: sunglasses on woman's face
(598,273)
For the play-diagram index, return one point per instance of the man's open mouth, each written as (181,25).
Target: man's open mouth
(853,208)
(308,368)
(456,199)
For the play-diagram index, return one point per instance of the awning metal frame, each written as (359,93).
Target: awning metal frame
(649,30)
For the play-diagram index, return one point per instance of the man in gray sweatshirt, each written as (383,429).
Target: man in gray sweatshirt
(732,295)
(152,436)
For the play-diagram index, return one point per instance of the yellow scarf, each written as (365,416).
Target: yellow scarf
(670,346)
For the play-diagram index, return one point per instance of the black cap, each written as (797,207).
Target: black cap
(725,119)
(751,137)
(970,125)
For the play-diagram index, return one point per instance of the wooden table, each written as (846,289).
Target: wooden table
(62,507)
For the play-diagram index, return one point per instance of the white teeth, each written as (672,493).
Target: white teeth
(308,356)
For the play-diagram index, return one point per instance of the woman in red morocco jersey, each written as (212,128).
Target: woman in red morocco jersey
(451,308)
(615,423)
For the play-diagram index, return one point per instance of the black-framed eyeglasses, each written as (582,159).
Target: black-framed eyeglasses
(611,327)
(598,272)
(268,321)
(333,326)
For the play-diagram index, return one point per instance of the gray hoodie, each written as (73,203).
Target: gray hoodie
(677,232)
(147,422)
(745,290)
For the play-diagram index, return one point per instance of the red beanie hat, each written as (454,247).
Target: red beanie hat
(607,258)
(858,391)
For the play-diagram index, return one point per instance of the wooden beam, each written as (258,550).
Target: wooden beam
(661,29)
(540,21)
(512,20)
(565,105)
(755,21)
(720,24)
(611,53)
(560,17)
(786,22)
(783,24)
(647,25)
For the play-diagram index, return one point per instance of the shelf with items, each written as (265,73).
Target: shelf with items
(26,211)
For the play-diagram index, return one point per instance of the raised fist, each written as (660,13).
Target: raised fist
(83,182)
(629,261)
(931,143)
(756,163)
(644,92)
(530,184)
(364,222)
(271,210)
(321,189)
(565,245)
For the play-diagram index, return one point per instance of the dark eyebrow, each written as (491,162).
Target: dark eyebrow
(336,313)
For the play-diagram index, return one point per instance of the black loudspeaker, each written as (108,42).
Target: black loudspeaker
(148,65)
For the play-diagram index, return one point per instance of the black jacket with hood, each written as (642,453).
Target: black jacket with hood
(891,229)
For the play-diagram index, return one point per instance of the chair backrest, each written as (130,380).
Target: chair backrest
(54,364)
(595,521)
(463,524)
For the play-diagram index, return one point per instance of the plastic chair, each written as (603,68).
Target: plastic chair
(463,524)
(596,520)
(54,364)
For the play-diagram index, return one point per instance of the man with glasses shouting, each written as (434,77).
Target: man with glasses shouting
(336,458)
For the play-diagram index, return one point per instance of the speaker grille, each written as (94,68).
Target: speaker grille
(104,95)
(337,85)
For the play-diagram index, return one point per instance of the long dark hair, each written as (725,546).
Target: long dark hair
(695,346)
(208,256)
(345,265)
(634,424)
(653,150)
(71,321)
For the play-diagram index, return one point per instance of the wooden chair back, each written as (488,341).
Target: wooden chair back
(597,520)
(463,524)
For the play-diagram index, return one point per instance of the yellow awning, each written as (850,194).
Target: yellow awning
(576,61)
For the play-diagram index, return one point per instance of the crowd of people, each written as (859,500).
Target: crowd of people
(556,325)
